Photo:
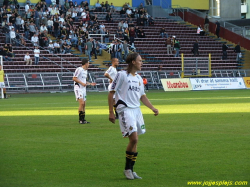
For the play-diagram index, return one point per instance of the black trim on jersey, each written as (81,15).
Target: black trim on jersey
(120,102)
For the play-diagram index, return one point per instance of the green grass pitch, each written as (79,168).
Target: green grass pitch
(198,136)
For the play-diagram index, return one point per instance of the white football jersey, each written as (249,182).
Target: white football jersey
(128,90)
(81,74)
(112,72)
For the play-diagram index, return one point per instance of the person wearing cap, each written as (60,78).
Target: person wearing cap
(128,89)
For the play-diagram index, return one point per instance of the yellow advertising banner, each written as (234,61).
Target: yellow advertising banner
(247,81)
(176,84)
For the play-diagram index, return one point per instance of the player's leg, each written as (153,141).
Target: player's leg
(81,110)
(4,93)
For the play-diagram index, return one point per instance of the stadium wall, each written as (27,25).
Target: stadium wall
(193,4)
(224,33)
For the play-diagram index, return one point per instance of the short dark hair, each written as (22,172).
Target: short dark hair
(84,61)
(131,57)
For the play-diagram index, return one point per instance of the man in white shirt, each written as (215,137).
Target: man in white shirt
(27,59)
(36,54)
(102,27)
(51,47)
(111,74)
(129,91)
(12,36)
(61,19)
(27,7)
(83,15)
(34,40)
(129,12)
(56,47)
(50,25)
(80,85)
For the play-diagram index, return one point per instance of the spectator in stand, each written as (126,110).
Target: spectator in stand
(66,48)
(109,18)
(98,6)
(169,45)
(177,47)
(151,20)
(125,49)
(145,82)
(119,48)
(64,32)
(94,47)
(120,32)
(6,57)
(18,37)
(238,51)
(132,35)
(113,49)
(32,29)
(141,34)
(123,13)
(84,15)
(18,23)
(163,33)
(98,48)
(27,59)
(112,8)
(43,28)
(56,29)
(107,6)
(10,51)
(131,23)
(36,54)
(102,27)
(45,39)
(200,31)
(74,38)
(140,6)
(35,40)
(27,7)
(206,24)
(146,18)
(140,20)
(120,24)
(125,25)
(195,49)
(69,43)
(51,47)
(88,47)
(129,12)
(57,47)
(224,51)
(12,36)
(103,7)
(81,44)
(217,29)
(126,35)
(50,25)
(22,40)
(106,36)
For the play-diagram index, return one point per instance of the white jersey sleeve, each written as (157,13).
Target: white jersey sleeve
(112,72)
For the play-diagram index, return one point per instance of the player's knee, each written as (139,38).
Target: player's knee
(134,140)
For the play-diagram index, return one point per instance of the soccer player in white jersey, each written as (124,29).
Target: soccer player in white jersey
(129,91)
(111,74)
(80,84)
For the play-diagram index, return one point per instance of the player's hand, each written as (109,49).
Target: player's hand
(155,111)
(93,84)
(112,117)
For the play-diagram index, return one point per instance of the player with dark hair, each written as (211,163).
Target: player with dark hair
(111,74)
(80,84)
(2,85)
(129,91)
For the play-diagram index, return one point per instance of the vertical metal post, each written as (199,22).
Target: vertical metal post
(182,65)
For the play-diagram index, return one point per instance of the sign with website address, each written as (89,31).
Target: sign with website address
(217,83)
(176,84)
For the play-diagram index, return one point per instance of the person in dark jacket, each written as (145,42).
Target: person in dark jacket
(224,51)
(195,49)
(238,51)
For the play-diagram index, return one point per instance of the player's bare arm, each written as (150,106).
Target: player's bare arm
(147,103)
(78,81)
(111,112)
(108,76)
